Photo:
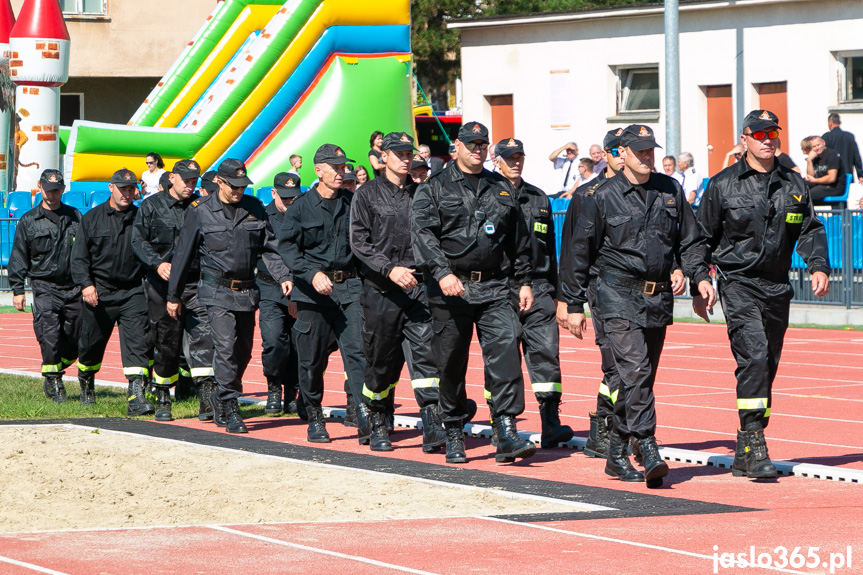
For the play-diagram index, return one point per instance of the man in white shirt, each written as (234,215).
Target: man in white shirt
(566,167)
(691,182)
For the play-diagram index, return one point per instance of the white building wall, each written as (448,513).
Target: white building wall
(794,41)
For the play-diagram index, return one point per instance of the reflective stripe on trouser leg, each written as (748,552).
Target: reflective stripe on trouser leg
(167,381)
(607,393)
(57,318)
(379,396)
(497,329)
(51,369)
(540,340)
(382,347)
(201,372)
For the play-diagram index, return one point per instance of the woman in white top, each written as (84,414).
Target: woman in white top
(150,178)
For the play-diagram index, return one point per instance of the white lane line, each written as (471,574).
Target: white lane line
(356,558)
(622,541)
(771,438)
(30,566)
(772,415)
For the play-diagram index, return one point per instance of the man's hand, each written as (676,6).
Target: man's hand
(19,301)
(451,286)
(576,324)
(820,284)
(403,277)
(292,309)
(562,315)
(91,296)
(164,271)
(525,298)
(174,309)
(678,282)
(287,287)
(322,284)
(703,303)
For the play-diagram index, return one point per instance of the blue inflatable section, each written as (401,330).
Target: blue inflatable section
(336,39)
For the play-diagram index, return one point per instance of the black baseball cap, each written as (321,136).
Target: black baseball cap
(472,132)
(350,176)
(331,154)
(398,142)
(508,147)
(287,185)
(207,182)
(638,137)
(612,139)
(52,180)
(124,177)
(187,169)
(165,181)
(418,162)
(234,172)
(761,120)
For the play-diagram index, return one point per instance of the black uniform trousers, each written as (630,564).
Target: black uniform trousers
(610,384)
(279,356)
(636,353)
(392,319)
(57,317)
(197,338)
(756,325)
(313,332)
(498,331)
(127,308)
(233,333)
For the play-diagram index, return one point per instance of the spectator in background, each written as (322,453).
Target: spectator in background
(208,186)
(489,163)
(599,162)
(565,166)
(824,173)
(150,178)
(296,161)
(375,141)
(734,154)
(362,175)
(452,155)
(844,144)
(585,175)
(669,168)
(691,182)
(434,164)
(349,181)
(419,169)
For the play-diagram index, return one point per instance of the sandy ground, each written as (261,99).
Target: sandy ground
(54,477)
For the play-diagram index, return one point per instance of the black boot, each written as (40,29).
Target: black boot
(58,390)
(88,388)
(205,392)
(350,412)
(636,451)
(509,444)
(138,404)
(274,398)
(654,467)
(455,444)
(750,457)
(617,462)
(364,428)
(597,440)
(48,387)
(163,403)
(290,401)
(553,432)
(317,428)
(183,389)
(434,436)
(234,420)
(380,439)
(220,417)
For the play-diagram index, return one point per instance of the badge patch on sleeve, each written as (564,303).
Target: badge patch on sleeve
(794,218)
(540,228)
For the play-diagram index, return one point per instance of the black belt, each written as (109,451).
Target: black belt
(644,287)
(339,276)
(53,285)
(479,276)
(267,279)
(236,285)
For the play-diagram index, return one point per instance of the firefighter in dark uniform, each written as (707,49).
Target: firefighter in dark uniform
(110,277)
(42,251)
(631,228)
(540,336)
(753,213)
(465,226)
(394,302)
(277,313)
(228,231)
(154,239)
(315,244)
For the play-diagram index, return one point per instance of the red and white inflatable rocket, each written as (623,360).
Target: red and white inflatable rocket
(7,92)
(39,65)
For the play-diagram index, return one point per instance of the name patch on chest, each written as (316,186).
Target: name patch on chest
(540,228)
(794,218)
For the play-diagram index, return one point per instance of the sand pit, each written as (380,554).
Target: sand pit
(67,477)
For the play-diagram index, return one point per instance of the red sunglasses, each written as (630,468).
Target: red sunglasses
(762,135)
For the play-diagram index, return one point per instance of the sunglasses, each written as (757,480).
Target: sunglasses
(474,146)
(761,135)
(615,152)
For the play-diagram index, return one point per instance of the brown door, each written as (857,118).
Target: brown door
(502,124)
(720,127)
(774,97)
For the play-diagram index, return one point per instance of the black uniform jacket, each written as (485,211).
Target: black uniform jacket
(539,223)
(381,230)
(42,248)
(456,229)
(229,248)
(155,233)
(272,272)
(314,240)
(566,282)
(752,221)
(622,235)
(102,255)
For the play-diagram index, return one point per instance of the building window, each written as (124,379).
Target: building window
(638,89)
(851,77)
(84,7)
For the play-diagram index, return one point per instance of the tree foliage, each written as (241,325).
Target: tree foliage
(437,50)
